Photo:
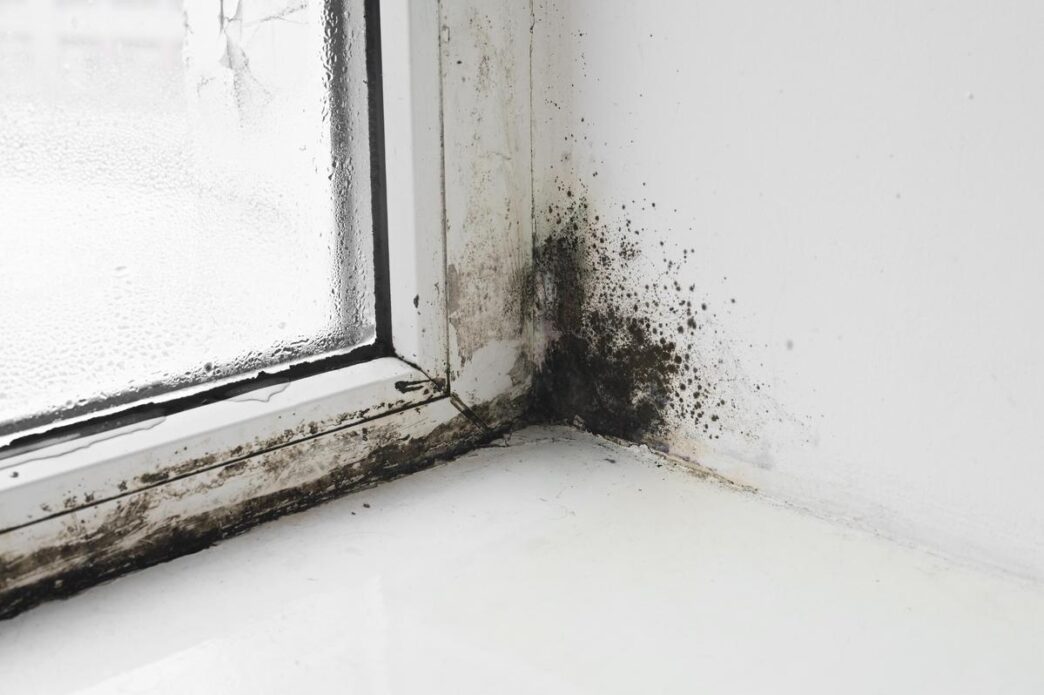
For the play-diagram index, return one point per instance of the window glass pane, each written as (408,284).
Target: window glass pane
(181,198)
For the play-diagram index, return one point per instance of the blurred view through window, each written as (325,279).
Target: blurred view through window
(184,196)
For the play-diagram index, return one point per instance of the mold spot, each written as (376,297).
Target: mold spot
(407,386)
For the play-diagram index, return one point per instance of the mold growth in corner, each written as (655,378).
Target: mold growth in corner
(621,357)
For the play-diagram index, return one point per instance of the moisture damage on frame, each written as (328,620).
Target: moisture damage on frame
(127,539)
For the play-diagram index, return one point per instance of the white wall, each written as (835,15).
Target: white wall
(866,180)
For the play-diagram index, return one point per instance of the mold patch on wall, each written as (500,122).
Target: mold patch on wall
(623,334)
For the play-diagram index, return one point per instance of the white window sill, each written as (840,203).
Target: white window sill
(560,563)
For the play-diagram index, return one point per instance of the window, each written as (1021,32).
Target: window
(186,199)
(199,325)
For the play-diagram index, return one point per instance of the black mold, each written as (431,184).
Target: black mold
(612,367)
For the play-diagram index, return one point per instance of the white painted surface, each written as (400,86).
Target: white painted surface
(411,83)
(559,564)
(864,179)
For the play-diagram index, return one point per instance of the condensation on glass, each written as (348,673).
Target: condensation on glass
(184,196)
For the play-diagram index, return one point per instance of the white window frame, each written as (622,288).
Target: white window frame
(179,467)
